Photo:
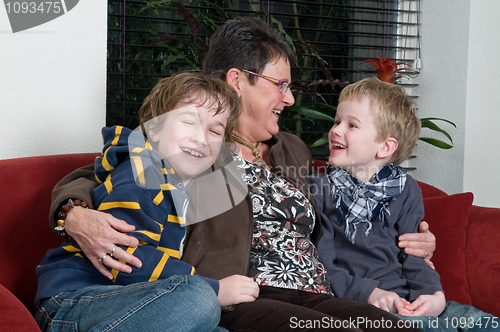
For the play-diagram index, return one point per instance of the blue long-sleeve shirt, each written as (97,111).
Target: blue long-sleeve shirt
(373,261)
(141,189)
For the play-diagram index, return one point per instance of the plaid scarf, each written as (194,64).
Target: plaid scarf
(362,202)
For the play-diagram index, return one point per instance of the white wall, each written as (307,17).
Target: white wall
(459,82)
(53,83)
(482,133)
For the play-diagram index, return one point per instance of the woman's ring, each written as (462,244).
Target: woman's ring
(113,251)
(426,254)
(102,258)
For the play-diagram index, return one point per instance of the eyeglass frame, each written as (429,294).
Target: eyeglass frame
(284,86)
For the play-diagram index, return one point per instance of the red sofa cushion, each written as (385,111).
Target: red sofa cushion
(482,250)
(448,218)
(430,191)
(26,191)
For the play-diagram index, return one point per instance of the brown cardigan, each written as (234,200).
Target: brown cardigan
(220,246)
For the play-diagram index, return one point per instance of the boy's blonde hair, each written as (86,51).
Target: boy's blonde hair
(191,87)
(393,110)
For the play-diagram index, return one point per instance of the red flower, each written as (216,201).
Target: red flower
(387,68)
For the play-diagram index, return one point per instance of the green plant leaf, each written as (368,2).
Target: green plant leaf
(440,119)
(170,59)
(435,142)
(176,56)
(427,123)
(152,32)
(287,36)
(319,142)
(312,113)
(208,21)
(152,4)
(333,108)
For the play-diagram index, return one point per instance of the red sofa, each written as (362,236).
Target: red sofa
(467,254)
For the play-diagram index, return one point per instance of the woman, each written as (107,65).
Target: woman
(269,236)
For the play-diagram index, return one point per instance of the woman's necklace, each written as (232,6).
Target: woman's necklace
(255,151)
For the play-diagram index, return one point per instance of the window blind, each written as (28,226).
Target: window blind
(332,39)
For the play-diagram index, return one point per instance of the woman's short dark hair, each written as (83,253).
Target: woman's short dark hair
(247,43)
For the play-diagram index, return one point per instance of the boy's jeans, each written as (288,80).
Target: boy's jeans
(179,303)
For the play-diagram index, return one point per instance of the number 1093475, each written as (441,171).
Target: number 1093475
(26,7)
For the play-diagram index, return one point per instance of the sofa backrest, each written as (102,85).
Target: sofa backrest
(25,235)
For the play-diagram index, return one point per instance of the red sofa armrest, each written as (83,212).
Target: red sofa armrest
(25,234)
(14,317)
(482,249)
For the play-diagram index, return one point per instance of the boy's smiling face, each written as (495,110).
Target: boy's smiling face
(190,138)
(353,140)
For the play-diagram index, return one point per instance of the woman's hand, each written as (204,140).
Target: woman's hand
(237,289)
(388,301)
(98,233)
(421,244)
(426,305)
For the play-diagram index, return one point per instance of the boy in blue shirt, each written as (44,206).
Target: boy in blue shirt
(368,201)
(145,176)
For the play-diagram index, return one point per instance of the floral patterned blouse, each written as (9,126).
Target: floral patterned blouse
(282,253)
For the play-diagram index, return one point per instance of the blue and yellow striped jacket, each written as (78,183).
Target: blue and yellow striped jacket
(137,186)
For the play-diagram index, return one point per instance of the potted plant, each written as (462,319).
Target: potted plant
(387,71)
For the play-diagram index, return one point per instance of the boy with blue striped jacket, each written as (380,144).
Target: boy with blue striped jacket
(144,176)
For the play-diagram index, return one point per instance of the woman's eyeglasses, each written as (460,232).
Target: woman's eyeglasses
(284,86)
